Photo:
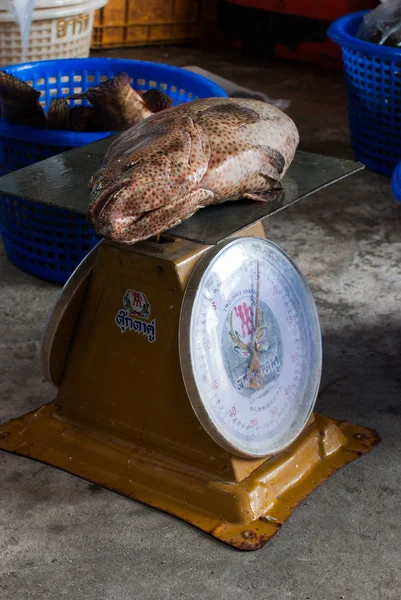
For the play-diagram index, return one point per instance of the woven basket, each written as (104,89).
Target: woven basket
(64,31)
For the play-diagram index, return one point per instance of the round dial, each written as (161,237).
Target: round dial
(250,347)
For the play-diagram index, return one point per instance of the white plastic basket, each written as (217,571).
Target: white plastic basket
(60,29)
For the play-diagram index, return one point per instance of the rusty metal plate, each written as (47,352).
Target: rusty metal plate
(245,515)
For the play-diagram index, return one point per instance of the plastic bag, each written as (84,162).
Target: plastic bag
(22,11)
(237,91)
(382,25)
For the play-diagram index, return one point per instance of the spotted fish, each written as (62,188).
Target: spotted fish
(161,171)
(118,106)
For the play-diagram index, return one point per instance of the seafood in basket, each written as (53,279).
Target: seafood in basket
(114,105)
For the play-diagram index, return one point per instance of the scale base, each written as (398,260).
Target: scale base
(244,515)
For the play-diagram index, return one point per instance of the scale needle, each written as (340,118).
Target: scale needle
(255,380)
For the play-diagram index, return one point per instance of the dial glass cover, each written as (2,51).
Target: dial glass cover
(250,347)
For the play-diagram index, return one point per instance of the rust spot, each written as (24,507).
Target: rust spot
(248,534)
(259,542)
(361,436)
(4,435)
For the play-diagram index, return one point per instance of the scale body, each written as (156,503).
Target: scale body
(122,417)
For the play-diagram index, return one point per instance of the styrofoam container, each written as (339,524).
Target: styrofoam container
(60,29)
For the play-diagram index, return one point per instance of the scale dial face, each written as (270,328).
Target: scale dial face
(250,347)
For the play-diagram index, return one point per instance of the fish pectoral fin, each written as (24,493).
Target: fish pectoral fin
(268,196)
(193,202)
(233,114)
(275,162)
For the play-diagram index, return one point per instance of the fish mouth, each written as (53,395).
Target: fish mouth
(100,198)
(125,230)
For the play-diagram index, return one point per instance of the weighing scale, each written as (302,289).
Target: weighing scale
(187,366)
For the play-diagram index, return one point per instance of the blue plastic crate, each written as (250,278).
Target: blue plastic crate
(373,83)
(46,242)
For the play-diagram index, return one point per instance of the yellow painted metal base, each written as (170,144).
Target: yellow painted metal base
(244,514)
(122,418)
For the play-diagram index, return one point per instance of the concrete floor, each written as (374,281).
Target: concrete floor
(62,537)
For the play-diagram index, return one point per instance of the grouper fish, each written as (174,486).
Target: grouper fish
(118,106)
(175,162)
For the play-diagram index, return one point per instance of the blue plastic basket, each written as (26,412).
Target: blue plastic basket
(46,242)
(373,84)
(396,183)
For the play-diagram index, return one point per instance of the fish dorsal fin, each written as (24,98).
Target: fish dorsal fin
(113,86)
(233,114)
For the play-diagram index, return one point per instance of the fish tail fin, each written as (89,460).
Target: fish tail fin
(20,102)
(12,88)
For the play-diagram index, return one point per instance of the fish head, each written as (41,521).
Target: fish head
(123,200)
(143,185)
